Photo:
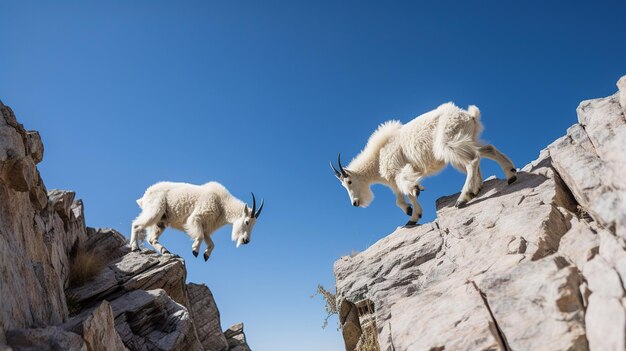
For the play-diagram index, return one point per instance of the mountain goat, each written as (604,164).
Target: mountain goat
(399,156)
(198,210)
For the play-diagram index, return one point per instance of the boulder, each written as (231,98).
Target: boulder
(152,320)
(206,317)
(236,338)
(45,339)
(97,328)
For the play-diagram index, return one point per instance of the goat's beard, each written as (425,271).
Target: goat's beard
(239,241)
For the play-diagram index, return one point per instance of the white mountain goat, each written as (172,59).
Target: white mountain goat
(198,210)
(399,156)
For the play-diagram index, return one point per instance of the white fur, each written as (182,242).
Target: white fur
(399,156)
(198,210)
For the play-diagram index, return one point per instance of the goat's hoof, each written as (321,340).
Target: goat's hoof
(472,195)
(135,250)
(512,180)
(417,191)
(419,216)
(206,257)
(460,204)
(195,253)
(409,211)
(513,170)
(410,224)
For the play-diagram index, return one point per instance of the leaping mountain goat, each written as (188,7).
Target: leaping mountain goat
(198,210)
(399,156)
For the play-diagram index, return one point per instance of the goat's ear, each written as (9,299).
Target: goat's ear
(245,210)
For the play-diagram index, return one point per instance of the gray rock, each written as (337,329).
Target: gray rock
(45,339)
(152,320)
(134,271)
(97,328)
(206,317)
(548,287)
(36,235)
(590,159)
(236,338)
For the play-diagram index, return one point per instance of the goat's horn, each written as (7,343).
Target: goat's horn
(343,171)
(253,204)
(258,213)
(335,169)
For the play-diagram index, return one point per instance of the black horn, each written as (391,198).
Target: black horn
(337,174)
(253,204)
(343,171)
(258,213)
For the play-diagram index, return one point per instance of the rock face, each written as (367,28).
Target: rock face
(236,338)
(536,265)
(206,317)
(129,301)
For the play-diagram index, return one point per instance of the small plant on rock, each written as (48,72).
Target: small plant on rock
(85,264)
(331,303)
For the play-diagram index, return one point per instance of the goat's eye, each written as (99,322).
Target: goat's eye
(349,182)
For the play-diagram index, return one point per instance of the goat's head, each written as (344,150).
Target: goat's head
(242,227)
(357,186)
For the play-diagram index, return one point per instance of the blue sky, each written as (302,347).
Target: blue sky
(261,95)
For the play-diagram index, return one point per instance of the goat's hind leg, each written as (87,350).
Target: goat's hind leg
(473,169)
(194,229)
(147,218)
(407,183)
(153,238)
(490,152)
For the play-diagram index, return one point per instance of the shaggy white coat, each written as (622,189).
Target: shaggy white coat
(399,156)
(198,210)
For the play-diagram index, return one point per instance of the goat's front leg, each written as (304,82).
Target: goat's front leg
(417,212)
(408,181)
(209,246)
(195,247)
(401,201)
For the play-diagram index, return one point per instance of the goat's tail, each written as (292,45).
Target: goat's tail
(459,151)
(474,112)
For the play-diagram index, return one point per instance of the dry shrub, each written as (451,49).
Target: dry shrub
(369,339)
(85,264)
(331,303)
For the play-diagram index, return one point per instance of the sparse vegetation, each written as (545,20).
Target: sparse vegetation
(369,339)
(85,264)
(331,303)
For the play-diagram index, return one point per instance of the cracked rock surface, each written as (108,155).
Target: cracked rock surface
(536,265)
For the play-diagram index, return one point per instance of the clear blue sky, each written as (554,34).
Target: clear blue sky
(261,95)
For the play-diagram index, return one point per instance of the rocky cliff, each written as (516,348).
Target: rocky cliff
(536,265)
(65,286)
